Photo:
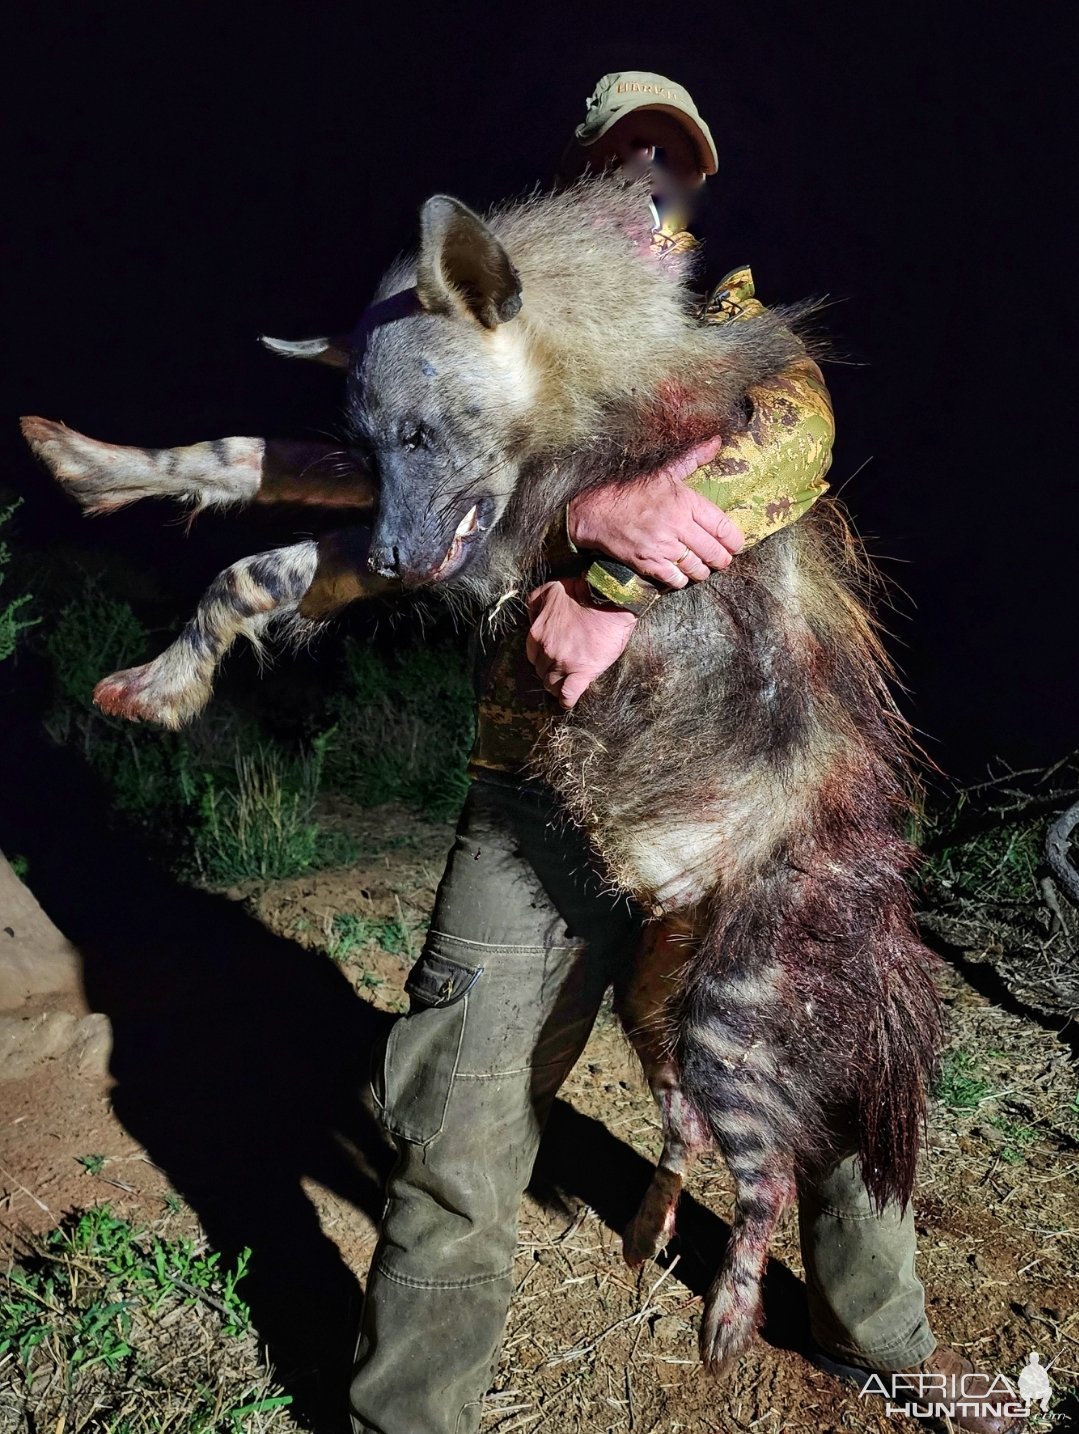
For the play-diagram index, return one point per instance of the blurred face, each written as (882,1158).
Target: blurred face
(635,141)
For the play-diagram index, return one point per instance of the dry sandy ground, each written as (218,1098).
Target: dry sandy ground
(590,1346)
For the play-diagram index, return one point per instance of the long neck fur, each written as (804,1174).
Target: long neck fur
(626,376)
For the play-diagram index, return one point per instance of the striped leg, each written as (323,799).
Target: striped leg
(641,1004)
(103,477)
(764,1191)
(735,1073)
(293,586)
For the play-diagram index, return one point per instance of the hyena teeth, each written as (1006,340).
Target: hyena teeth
(468,523)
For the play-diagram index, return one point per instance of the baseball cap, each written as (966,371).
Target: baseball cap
(619,94)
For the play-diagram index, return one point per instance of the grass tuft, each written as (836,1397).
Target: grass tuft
(960,1088)
(262,823)
(108,1327)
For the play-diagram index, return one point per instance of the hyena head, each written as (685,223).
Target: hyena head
(440,392)
(513,361)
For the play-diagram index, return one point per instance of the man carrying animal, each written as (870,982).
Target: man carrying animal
(465,1099)
(525,938)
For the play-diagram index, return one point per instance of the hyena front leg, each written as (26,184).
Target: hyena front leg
(641,1003)
(103,477)
(295,586)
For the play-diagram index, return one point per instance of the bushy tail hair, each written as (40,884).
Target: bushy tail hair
(810,997)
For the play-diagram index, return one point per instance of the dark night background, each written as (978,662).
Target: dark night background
(190,176)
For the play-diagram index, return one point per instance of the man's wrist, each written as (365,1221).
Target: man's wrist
(614,585)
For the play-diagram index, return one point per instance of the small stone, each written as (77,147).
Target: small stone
(668,1330)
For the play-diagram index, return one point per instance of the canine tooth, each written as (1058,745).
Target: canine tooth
(467,523)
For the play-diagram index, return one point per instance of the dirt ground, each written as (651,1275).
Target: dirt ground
(203,1050)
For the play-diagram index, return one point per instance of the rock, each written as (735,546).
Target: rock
(668,1331)
(35,957)
(83,1042)
(91,1047)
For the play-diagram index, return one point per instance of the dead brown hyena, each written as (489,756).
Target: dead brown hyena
(741,771)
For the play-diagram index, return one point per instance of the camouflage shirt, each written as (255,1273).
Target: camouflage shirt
(765,478)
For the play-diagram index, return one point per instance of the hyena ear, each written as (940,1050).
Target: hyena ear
(335,351)
(462,267)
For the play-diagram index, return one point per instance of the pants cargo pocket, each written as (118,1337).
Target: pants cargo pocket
(423,1050)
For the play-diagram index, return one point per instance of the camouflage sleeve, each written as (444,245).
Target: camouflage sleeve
(765,477)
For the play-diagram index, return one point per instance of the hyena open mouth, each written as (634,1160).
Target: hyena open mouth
(475,524)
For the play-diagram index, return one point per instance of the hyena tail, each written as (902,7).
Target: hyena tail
(243,601)
(808,1031)
(902,1044)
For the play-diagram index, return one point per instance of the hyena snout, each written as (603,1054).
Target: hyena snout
(416,544)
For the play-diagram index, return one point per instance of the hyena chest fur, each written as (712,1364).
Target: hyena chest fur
(697,758)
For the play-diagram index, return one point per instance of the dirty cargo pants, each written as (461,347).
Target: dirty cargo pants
(522,948)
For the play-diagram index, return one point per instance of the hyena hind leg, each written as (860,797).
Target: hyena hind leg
(764,1191)
(103,477)
(732,1071)
(642,1002)
(685,1136)
(242,601)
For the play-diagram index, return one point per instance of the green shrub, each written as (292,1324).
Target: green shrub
(11,620)
(403,729)
(1001,863)
(93,635)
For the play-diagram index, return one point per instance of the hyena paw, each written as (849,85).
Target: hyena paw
(101,477)
(650,1230)
(732,1313)
(151,693)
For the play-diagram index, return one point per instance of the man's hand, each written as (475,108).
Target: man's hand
(570,641)
(658,526)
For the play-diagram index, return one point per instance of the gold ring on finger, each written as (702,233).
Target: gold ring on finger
(683,556)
